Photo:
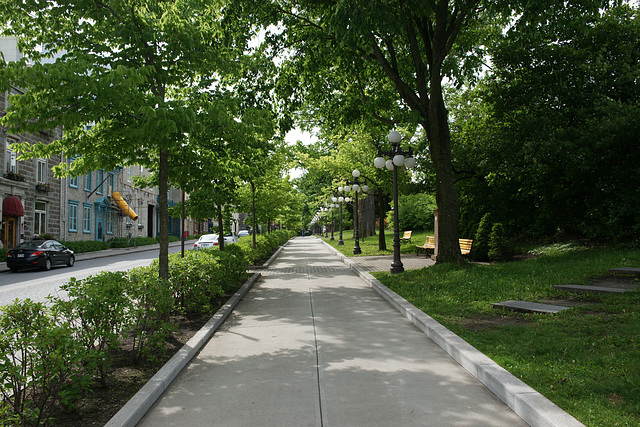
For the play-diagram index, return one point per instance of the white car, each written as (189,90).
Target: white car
(243,233)
(211,240)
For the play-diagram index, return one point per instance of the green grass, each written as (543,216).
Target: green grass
(586,359)
(369,245)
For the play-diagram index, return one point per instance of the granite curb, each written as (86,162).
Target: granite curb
(133,411)
(535,409)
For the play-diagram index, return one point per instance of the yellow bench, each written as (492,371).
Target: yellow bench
(465,246)
(430,243)
(406,238)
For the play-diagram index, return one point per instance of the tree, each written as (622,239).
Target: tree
(405,45)
(122,67)
(547,142)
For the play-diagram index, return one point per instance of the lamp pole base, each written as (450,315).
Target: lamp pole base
(397,268)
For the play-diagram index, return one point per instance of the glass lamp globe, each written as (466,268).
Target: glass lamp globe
(365,188)
(410,162)
(398,160)
(356,187)
(389,164)
(346,188)
(341,199)
(379,162)
(394,137)
(356,173)
(334,199)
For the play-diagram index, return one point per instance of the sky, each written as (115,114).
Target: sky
(294,136)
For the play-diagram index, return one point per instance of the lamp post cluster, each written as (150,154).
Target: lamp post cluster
(395,158)
(356,186)
(337,200)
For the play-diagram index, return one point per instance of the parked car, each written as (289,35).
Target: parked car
(243,233)
(211,240)
(39,254)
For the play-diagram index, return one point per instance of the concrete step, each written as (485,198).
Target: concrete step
(530,307)
(586,289)
(625,270)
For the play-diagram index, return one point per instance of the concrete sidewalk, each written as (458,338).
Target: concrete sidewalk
(313,345)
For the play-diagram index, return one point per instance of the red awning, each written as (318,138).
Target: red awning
(12,206)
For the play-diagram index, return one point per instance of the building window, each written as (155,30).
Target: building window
(73,216)
(40,225)
(86,182)
(99,181)
(11,157)
(110,179)
(110,222)
(74,182)
(86,219)
(41,170)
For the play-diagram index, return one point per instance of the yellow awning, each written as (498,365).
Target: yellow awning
(124,207)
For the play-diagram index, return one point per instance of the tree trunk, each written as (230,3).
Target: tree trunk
(437,128)
(220,228)
(382,241)
(163,188)
(368,216)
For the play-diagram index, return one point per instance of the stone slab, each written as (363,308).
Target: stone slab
(625,270)
(586,289)
(530,307)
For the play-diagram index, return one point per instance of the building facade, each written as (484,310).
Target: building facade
(30,194)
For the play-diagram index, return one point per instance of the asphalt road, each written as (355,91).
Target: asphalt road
(37,284)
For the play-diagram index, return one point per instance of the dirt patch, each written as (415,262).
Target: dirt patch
(97,408)
(488,322)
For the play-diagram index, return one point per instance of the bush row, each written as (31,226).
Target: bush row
(265,244)
(50,354)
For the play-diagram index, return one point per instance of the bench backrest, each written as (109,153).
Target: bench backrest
(465,246)
(407,235)
(430,240)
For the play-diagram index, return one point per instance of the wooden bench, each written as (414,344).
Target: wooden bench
(465,246)
(429,243)
(406,238)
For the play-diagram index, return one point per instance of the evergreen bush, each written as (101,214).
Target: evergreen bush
(498,245)
(480,248)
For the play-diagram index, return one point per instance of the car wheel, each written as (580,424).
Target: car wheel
(71,261)
(13,269)
(47,264)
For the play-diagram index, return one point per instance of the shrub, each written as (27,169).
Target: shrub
(498,246)
(151,309)
(86,246)
(39,362)
(99,311)
(480,248)
(194,280)
(3,255)
(416,212)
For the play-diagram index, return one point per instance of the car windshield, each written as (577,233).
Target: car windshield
(30,245)
(209,238)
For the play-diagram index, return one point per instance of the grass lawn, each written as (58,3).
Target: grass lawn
(585,359)
(369,245)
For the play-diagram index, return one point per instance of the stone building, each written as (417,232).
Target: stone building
(30,194)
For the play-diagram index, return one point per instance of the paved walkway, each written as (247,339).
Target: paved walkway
(312,345)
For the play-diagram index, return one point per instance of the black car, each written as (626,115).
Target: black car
(41,254)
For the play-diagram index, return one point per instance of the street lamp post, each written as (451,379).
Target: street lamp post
(396,159)
(333,222)
(357,188)
(340,199)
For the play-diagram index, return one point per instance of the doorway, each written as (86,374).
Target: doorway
(9,227)
(150,214)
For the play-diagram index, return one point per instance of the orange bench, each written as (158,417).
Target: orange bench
(430,243)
